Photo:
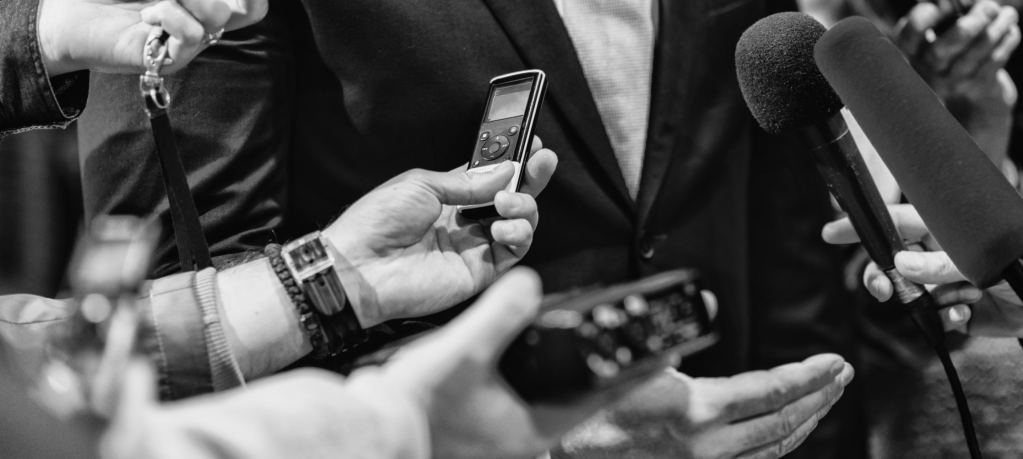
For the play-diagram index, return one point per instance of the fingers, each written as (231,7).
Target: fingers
(953,299)
(212,14)
(911,31)
(907,220)
(956,318)
(516,234)
(961,38)
(489,325)
(521,216)
(927,267)
(460,187)
(783,427)
(840,232)
(175,20)
(536,146)
(877,283)
(757,393)
(517,205)
(539,169)
(979,53)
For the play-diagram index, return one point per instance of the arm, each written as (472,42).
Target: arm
(29,98)
(46,46)
(439,397)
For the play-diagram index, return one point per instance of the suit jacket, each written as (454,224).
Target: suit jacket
(285,123)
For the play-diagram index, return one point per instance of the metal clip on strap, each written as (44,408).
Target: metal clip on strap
(193,252)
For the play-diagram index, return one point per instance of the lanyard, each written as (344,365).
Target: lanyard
(193,252)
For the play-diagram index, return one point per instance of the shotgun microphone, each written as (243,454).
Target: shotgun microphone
(969,207)
(787,93)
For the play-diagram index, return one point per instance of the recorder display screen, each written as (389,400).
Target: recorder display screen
(510,101)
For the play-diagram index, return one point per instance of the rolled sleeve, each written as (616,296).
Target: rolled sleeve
(29,99)
(173,336)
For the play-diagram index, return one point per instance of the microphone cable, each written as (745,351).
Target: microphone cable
(923,311)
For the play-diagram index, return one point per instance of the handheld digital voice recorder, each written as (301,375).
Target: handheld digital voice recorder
(506,133)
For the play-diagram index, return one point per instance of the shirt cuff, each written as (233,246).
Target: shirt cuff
(224,367)
(174,337)
(29,99)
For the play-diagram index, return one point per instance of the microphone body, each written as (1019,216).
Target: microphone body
(838,160)
(969,207)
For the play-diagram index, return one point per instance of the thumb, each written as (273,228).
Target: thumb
(500,314)
(460,187)
(927,267)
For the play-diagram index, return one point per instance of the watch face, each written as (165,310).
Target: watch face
(307,257)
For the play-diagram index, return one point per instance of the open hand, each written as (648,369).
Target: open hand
(758,414)
(406,252)
(110,35)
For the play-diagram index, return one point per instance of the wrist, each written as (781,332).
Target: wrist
(261,324)
(361,296)
(55,61)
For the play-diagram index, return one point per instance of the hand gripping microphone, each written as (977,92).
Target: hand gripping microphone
(788,94)
(969,207)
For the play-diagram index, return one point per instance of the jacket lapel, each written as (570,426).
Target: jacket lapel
(670,100)
(536,31)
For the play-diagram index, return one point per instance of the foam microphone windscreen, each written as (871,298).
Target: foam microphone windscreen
(782,86)
(969,207)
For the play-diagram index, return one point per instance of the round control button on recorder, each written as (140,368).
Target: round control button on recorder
(484,135)
(495,148)
(513,130)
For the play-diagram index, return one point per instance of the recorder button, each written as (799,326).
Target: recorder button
(495,148)
(513,130)
(484,135)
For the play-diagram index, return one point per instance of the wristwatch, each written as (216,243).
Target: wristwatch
(311,264)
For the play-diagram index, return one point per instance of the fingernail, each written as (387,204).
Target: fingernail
(847,376)
(836,368)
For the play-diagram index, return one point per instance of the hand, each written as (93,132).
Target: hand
(110,35)
(996,311)
(759,414)
(471,411)
(406,251)
(964,66)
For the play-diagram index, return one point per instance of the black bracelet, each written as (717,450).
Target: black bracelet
(310,321)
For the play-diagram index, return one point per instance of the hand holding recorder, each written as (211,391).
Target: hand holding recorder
(407,252)
(996,311)
(110,35)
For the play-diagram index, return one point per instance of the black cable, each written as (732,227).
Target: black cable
(925,316)
(961,403)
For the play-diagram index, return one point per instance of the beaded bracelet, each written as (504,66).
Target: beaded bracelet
(310,321)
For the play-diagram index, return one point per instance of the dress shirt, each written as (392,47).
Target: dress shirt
(614,40)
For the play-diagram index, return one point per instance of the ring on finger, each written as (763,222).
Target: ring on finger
(210,39)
